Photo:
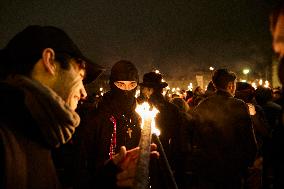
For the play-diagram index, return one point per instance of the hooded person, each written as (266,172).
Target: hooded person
(114,123)
(123,84)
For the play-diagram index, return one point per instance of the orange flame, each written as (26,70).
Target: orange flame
(145,113)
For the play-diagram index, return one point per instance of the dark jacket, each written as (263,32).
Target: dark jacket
(25,157)
(224,144)
(174,126)
(94,138)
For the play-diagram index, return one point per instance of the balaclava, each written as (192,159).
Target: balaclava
(123,71)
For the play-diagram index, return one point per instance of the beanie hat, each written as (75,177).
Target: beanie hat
(124,70)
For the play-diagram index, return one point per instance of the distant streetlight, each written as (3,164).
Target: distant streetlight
(246,71)
(266,84)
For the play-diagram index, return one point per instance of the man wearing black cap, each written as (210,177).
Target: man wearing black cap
(42,75)
(224,145)
(113,124)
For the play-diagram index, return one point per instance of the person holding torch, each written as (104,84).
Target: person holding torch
(112,125)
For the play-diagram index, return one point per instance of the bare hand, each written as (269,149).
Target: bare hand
(251,109)
(126,161)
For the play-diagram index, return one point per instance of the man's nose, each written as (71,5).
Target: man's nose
(127,87)
(83,93)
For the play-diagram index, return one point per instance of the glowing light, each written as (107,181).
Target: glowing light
(246,71)
(211,68)
(190,86)
(101,89)
(178,89)
(243,80)
(173,89)
(102,94)
(146,114)
(156,131)
(157,71)
(253,84)
(137,93)
(266,84)
(163,80)
(260,82)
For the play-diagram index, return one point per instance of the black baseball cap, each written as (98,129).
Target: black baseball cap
(34,39)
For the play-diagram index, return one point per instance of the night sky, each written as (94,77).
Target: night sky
(176,37)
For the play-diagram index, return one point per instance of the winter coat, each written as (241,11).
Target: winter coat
(25,145)
(175,127)
(224,143)
(94,138)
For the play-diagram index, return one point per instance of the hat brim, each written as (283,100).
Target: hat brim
(153,85)
(93,70)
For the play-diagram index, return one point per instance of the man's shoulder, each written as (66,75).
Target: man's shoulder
(7,133)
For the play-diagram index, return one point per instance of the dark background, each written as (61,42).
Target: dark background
(177,37)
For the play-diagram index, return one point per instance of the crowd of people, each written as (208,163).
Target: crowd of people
(229,136)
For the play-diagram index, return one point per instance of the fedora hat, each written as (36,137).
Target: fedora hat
(153,80)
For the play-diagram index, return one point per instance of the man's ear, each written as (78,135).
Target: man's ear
(231,86)
(151,91)
(48,57)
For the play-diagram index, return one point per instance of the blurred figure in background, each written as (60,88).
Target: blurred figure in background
(277,32)
(189,99)
(259,175)
(181,104)
(210,90)
(277,95)
(198,96)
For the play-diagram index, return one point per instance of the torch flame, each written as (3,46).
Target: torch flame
(145,113)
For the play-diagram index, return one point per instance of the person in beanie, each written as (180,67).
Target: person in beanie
(42,79)
(114,123)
